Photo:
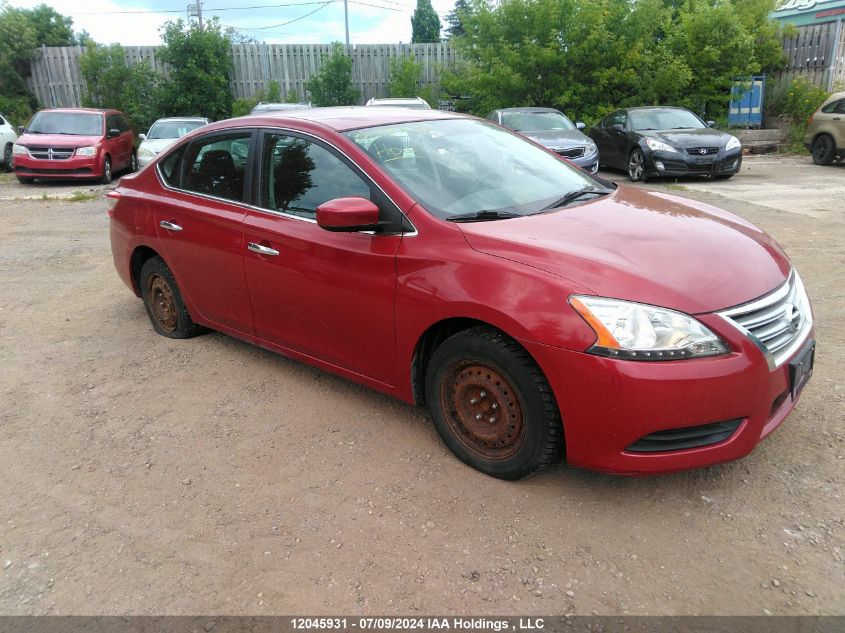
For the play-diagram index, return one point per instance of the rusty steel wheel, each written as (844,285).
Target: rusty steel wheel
(163,302)
(482,409)
(491,404)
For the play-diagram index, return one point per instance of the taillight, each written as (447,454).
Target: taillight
(112,198)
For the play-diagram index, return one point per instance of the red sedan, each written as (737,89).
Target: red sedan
(449,262)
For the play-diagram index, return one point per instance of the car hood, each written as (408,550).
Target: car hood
(558,138)
(58,140)
(155,145)
(704,137)
(643,246)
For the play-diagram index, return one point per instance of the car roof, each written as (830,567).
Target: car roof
(83,110)
(342,119)
(634,109)
(182,118)
(525,110)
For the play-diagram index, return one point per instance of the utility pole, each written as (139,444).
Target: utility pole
(346,20)
(199,12)
(195,11)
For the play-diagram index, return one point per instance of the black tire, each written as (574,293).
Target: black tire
(491,404)
(133,164)
(824,149)
(636,165)
(25,181)
(163,302)
(106,177)
(7,157)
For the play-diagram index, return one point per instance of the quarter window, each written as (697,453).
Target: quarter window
(216,166)
(169,167)
(299,175)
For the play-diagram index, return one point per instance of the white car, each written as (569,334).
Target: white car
(7,139)
(415,103)
(164,132)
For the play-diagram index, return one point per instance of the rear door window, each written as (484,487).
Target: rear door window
(217,165)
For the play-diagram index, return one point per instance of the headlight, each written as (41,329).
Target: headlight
(591,148)
(18,150)
(733,143)
(86,151)
(659,146)
(145,153)
(641,332)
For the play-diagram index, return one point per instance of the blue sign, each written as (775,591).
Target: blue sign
(746,109)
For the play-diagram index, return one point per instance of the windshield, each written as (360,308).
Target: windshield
(536,121)
(669,119)
(458,166)
(73,123)
(172,129)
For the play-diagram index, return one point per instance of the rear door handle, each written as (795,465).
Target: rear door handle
(262,250)
(169,226)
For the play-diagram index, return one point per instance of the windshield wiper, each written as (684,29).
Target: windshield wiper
(483,216)
(572,196)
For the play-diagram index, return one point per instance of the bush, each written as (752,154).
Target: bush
(332,85)
(405,75)
(802,99)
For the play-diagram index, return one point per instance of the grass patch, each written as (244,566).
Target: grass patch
(673,186)
(82,196)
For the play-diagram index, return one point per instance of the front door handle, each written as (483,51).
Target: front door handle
(262,250)
(169,226)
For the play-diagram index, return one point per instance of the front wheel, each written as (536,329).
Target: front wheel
(133,164)
(636,166)
(106,177)
(7,157)
(824,150)
(491,404)
(163,301)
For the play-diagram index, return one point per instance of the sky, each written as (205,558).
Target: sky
(370,21)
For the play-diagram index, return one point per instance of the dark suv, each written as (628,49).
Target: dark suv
(75,143)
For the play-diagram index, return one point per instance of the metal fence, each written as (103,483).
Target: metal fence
(57,81)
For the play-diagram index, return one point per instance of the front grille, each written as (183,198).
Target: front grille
(571,152)
(51,153)
(700,168)
(685,438)
(702,151)
(778,322)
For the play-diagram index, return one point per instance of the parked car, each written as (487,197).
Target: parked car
(445,260)
(7,140)
(164,132)
(75,143)
(552,129)
(825,136)
(414,103)
(268,106)
(662,141)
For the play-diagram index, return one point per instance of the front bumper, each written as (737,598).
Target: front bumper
(677,164)
(607,404)
(73,167)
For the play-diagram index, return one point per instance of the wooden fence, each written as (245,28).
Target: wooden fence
(818,53)
(57,81)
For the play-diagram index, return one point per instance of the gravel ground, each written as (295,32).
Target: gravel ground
(142,475)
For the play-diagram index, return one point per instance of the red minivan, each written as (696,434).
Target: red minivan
(534,308)
(75,143)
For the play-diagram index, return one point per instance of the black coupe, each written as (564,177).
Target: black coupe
(662,141)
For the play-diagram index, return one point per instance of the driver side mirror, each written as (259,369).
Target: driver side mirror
(20,130)
(711,124)
(618,127)
(580,125)
(348,215)
(143,137)
(114,132)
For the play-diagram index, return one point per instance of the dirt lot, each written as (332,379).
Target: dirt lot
(142,475)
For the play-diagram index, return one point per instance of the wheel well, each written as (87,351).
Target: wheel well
(428,342)
(139,257)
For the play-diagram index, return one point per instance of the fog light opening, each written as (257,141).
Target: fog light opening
(660,166)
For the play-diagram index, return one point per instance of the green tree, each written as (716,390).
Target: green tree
(405,75)
(425,23)
(332,85)
(51,27)
(455,19)
(113,83)
(199,65)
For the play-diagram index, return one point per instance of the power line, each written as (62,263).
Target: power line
(207,10)
(367,4)
(322,6)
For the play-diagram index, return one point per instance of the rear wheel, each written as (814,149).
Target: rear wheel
(491,404)
(163,301)
(636,166)
(824,149)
